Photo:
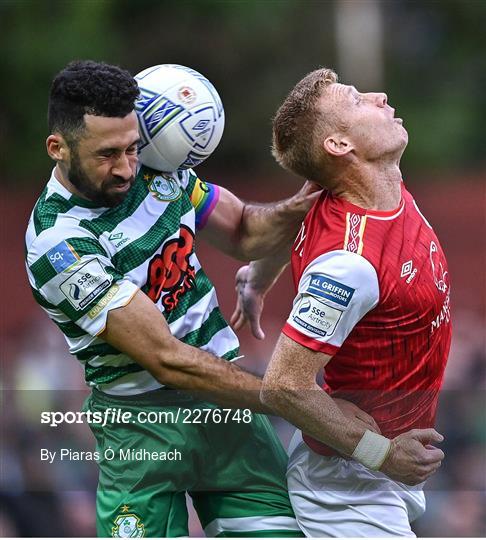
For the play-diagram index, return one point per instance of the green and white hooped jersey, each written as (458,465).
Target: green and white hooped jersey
(84,260)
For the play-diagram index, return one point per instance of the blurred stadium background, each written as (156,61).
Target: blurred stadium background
(430,58)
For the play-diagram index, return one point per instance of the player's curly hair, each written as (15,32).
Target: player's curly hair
(297,126)
(88,87)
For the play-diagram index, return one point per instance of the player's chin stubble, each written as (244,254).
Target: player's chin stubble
(100,196)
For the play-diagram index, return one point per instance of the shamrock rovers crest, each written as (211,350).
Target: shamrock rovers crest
(163,188)
(128,526)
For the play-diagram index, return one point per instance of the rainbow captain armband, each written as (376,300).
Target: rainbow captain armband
(204,197)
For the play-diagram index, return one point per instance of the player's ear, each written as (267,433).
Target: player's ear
(337,146)
(57,148)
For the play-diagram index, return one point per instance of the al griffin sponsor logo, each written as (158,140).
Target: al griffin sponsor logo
(330,289)
(316,317)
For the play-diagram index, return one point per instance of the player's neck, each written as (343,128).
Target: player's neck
(374,186)
(62,178)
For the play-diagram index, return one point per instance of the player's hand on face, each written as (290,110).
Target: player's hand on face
(249,304)
(353,412)
(412,457)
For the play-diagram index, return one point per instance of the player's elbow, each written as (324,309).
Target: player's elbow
(254,248)
(161,369)
(276,392)
(267,397)
(241,250)
(247,247)
(172,365)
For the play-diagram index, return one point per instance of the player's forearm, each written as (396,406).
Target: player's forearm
(289,388)
(251,231)
(208,377)
(140,331)
(314,412)
(267,230)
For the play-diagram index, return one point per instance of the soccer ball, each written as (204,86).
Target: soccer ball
(180,116)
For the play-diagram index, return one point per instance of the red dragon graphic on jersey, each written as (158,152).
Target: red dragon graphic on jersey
(170,272)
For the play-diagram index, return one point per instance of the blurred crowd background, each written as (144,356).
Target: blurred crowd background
(428,56)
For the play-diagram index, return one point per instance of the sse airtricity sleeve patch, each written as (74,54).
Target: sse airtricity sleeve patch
(335,291)
(315,316)
(75,281)
(86,283)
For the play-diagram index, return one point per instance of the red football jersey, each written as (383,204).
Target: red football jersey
(373,292)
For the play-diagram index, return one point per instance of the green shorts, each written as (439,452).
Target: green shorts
(229,461)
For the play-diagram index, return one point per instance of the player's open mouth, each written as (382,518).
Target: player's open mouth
(122,187)
(399,120)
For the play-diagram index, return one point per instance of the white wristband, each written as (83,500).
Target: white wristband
(372,450)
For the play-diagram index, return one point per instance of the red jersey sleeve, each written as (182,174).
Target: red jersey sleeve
(335,292)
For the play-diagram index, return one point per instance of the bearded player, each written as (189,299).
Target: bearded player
(371,307)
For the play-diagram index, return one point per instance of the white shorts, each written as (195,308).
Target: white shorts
(335,497)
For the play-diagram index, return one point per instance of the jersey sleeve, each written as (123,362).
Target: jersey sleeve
(203,195)
(75,281)
(335,291)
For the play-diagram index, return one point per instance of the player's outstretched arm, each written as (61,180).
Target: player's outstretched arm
(289,388)
(140,330)
(248,231)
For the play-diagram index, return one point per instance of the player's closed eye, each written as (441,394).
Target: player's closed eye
(106,153)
